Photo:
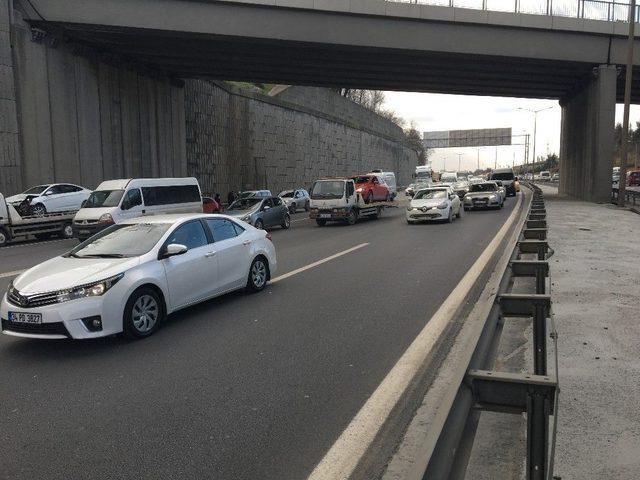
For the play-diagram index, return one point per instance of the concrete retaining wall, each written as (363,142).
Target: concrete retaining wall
(238,140)
(83,121)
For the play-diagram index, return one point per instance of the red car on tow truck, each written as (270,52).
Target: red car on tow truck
(372,188)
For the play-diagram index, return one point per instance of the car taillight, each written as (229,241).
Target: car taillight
(268,236)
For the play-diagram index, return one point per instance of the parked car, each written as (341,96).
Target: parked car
(255,193)
(261,212)
(115,201)
(633,178)
(130,276)
(508,179)
(372,188)
(49,198)
(435,203)
(483,195)
(209,205)
(555,178)
(544,176)
(390,180)
(295,199)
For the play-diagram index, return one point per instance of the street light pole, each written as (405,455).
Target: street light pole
(478,159)
(624,150)
(535,127)
(459,158)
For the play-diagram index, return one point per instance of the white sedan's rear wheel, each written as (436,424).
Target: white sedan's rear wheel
(258,275)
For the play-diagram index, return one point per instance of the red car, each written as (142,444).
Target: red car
(209,205)
(372,188)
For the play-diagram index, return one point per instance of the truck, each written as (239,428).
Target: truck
(336,200)
(423,173)
(13,225)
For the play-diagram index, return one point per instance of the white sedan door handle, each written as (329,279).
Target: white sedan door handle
(210,254)
(246,242)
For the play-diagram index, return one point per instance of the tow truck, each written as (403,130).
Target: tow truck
(13,225)
(336,200)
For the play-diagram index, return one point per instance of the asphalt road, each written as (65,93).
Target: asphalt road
(243,386)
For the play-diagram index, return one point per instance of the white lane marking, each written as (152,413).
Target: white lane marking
(319,262)
(341,460)
(299,220)
(11,274)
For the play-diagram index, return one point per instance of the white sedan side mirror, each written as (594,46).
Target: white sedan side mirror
(174,249)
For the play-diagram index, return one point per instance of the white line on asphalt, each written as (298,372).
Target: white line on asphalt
(319,262)
(341,460)
(11,274)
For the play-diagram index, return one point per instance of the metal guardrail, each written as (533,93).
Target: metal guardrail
(484,389)
(605,10)
(631,196)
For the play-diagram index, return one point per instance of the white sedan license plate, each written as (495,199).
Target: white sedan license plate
(325,215)
(20,317)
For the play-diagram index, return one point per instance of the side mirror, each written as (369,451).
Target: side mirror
(172,250)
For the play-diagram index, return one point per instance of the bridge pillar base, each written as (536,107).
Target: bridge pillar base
(587,137)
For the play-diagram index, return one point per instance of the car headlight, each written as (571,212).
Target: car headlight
(246,218)
(493,197)
(94,289)
(106,218)
(442,206)
(359,190)
(409,208)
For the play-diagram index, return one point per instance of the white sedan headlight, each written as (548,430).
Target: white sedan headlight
(493,197)
(90,290)
(442,206)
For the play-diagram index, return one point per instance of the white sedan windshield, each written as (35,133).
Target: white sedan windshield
(430,194)
(122,241)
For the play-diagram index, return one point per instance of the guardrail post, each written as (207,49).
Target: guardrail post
(537,435)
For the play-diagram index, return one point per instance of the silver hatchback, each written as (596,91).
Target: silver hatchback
(261,212)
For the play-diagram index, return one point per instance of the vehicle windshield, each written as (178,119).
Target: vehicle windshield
(483,187)
(36,190)
(328,189)
(122,240)
(362,179)
(244,203)
(286,194)
(430,194)
(423,175)
(502,176)
(104,198)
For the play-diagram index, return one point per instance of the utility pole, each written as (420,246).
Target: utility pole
(535,127)
(459,158)
(478,159)
(624,151)
(495,162)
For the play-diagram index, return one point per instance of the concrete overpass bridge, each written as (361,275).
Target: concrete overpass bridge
(379,45)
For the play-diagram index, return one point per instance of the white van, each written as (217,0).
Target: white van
(117,200)
(390,179)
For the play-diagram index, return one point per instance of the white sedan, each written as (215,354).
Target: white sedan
(435,203)
(128,277)
(56,197)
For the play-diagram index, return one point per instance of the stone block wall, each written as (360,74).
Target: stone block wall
(237,140)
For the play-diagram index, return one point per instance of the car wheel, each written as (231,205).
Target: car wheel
(142,313)
(450,218)
(259,224)
(67,231)
(388,199)
(4,237)
(258,275)
(286,221)
(320,222)
(459,215)
(352,217)
(38,210)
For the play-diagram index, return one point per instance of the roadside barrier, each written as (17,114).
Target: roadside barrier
(631,196)
(534,394)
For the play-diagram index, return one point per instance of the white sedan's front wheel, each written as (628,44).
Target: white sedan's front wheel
(142,313)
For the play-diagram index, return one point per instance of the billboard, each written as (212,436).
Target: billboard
(483,137)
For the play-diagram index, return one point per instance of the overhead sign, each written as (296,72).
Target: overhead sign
(483,137)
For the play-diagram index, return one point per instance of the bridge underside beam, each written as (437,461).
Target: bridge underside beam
(587,138)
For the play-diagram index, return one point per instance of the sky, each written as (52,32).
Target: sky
(435,112)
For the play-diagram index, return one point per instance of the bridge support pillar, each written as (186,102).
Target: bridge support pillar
(587,137)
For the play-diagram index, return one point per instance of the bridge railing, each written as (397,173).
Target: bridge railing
(605,10)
